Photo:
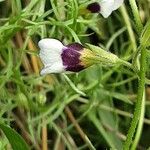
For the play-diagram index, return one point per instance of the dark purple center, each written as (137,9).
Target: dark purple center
(94,7)
(71,57)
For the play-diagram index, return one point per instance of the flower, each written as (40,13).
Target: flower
(105,7)
(58,58)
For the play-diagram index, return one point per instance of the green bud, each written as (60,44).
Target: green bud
(41,98)
(22,100)
(103,57)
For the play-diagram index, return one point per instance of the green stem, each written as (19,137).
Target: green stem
(129,65)
(136,15)
(140,125)
(141,89)
(129,27)
(125,63)
(73,86)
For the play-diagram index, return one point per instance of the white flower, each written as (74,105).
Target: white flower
(58,58)
(107,6)
(50,54)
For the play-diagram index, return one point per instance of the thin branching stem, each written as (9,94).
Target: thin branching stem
(141,90)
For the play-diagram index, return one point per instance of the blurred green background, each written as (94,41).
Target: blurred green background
(91,109)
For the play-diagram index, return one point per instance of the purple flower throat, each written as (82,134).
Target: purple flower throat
(71,57)
(94,7)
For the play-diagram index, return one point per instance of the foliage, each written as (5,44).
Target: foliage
(91,109)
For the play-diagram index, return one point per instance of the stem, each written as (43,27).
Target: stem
(129,27)
(140,125)
(141,89)
(44,136)
(136,15)
(73,86)
(79,129)
(129,65)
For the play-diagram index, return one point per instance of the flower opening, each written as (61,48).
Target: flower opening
(71,57)
(94,7)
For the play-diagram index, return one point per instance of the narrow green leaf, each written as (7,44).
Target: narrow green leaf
(97,123)
(14,138)
(145,36)
(117,95)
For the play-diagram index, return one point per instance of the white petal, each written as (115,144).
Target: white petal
(48,43)
(55,68)
(117,4)
(50,51)
(106,7)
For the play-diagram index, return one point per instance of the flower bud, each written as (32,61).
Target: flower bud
(99,56)
(22,100)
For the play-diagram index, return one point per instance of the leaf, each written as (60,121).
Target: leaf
(145,36)
(110,120)
(14,138)
(117,95)
(73,86)
(97,123)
